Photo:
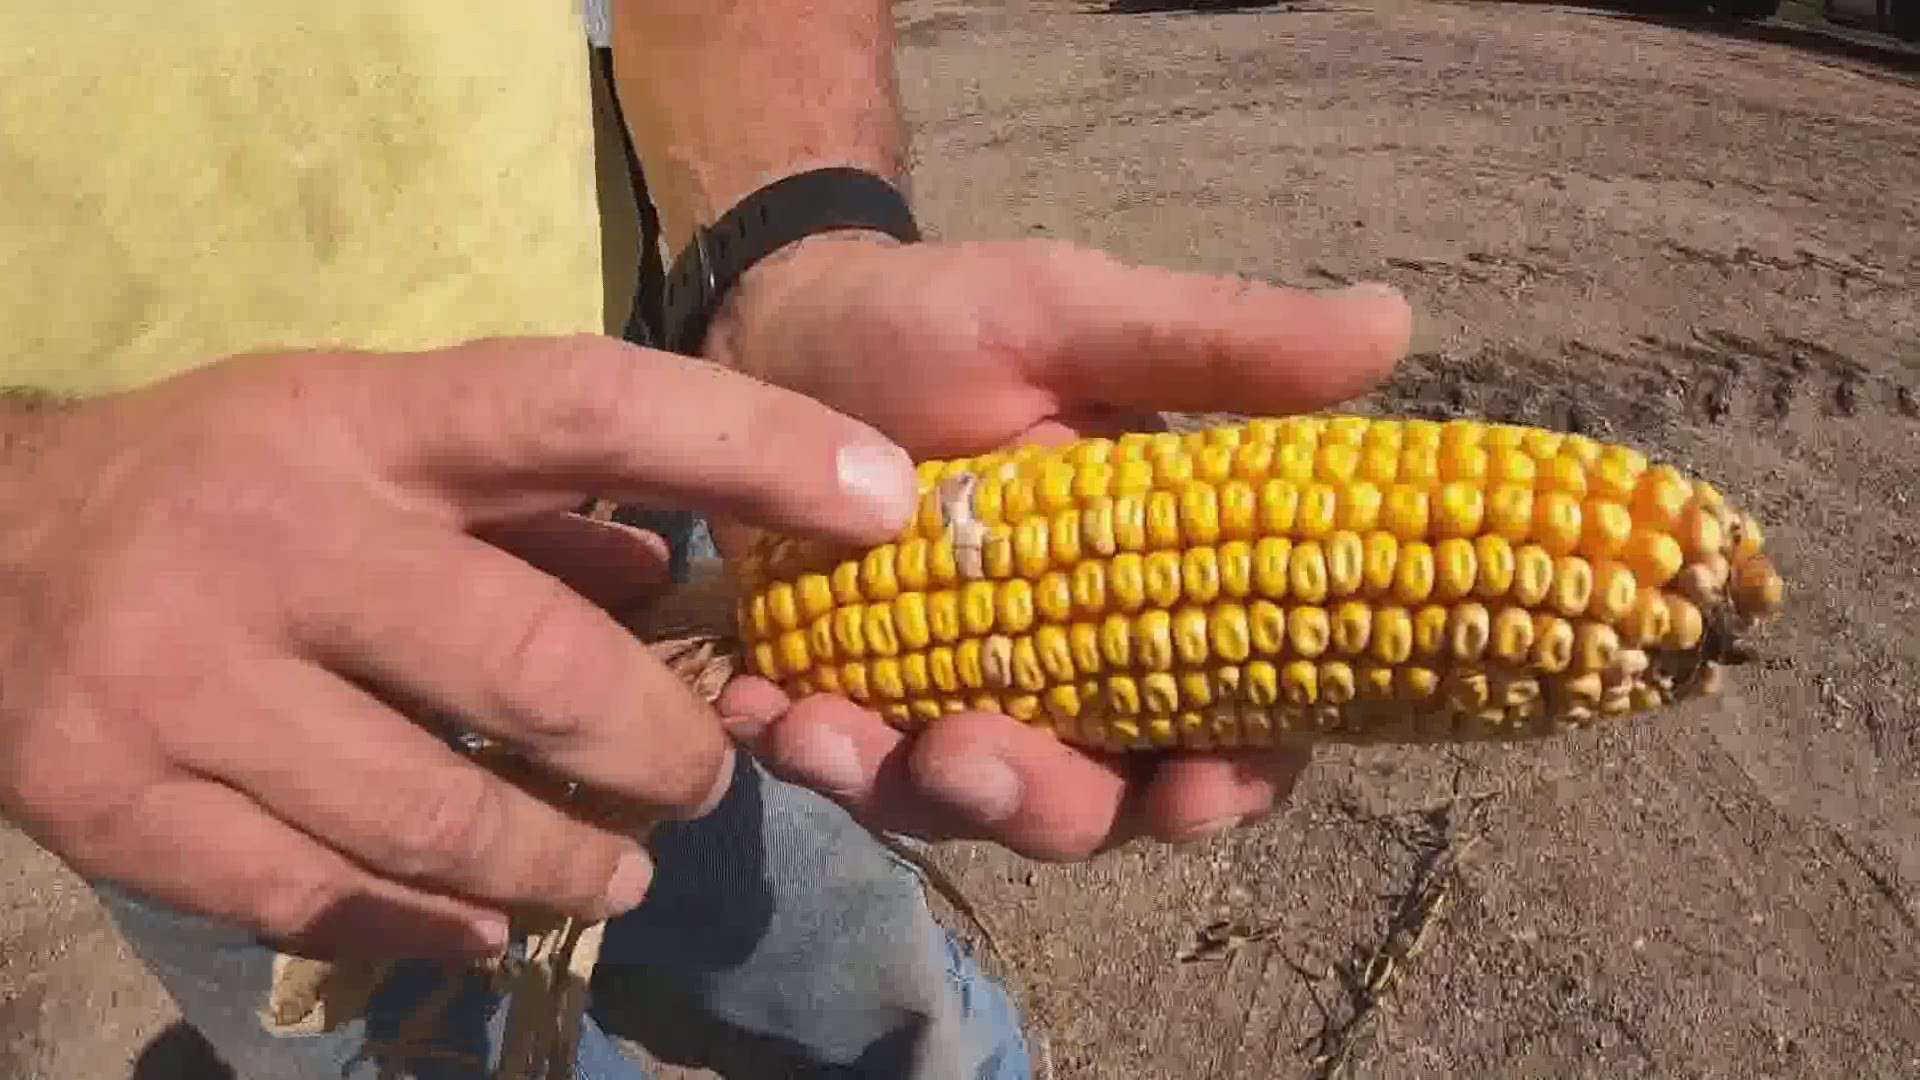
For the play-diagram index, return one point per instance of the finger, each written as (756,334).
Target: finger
(202,847)
(451,626)
(968,775)
(341,766)
(1195,796)
(510,426)
(1153,338)
(613,564)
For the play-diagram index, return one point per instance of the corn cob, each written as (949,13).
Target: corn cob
(1313,578)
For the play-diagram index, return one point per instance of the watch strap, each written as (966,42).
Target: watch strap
(787,210)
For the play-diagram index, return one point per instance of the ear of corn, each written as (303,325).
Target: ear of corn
(1332,578)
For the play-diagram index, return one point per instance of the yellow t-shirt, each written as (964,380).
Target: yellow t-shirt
(187,180)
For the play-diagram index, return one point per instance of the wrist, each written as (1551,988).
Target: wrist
(764,289)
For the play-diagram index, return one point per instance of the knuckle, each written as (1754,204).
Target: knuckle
(551,660)
(449,829)
(298,906)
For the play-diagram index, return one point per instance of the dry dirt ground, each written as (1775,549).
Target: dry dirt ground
(1706,243)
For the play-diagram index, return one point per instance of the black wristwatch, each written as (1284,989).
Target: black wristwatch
(790,209)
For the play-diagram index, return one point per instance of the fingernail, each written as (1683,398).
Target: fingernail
(880,476)
(721,785)
(492,935)
(628,885)
(828,760)
(1207,830)
(979,785)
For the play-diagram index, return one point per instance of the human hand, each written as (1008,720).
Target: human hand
(236,602)
(956,349)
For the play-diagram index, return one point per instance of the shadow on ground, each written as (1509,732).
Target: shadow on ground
(1825,39)
(180,1053)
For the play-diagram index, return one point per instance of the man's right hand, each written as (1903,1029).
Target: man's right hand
(229,600)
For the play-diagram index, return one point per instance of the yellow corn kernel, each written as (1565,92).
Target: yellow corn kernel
(1351,623)
(1462,509)
(1416,683)
(1647,623)
(1279,505)
(1337,463)
(1552,643)
(943,617)
(914,673)
(1419,465)
(1532,574)
(1052,597)
(1660,498)
(1200,574)
(1163,520)
(1271,559)
(1392,637)
(1319,505)
(1594,646)
(1153,647)
(1190,635)
(1127,580)
(1199,509)
(1605,527)
(1455,564)
(853,681)
(910,620)
(1015,607)
(1346,556)
(1130,522)
(996,552)
(1309,631)
(1557,522)
(1091,480)
(1469,627)
(1687,625)
(1414,573)
(1405,512)
(1381,554)
(1464,464)
(1238,509)
(1213,464)
(884,674)
(791,653)
(1751,538)
(1380,465)
(1123,696)
(1162,573)
(1293,462)
(820,640)
(1565,473)
(1050,644)
(1229,633)
(1494,566)
(1336,681)
(1653,557)
(1159,694)
(1374,682)
(1133,477)
(941,671)
(1196,688)
(1089,585)
(1300,682)
(813,595)
(1307,573)
(1262,684)
(1512,465)
(1512,635)
(1700,534)
(979,608)
(1510,512)
(1116,641)
(1236,569)
(1572,585)
(783,610)
(1615,591)
(1065,533)
(1251,460)
(1083,645)
(1090,451)
(1266,627)
(1465,690)
(1430,630)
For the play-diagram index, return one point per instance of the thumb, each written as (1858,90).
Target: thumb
(1148,337)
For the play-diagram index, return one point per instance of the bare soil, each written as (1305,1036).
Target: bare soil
(1699,239)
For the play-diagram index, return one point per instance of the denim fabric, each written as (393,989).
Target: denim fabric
(779,940)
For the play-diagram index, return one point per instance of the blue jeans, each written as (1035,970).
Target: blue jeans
(779,939)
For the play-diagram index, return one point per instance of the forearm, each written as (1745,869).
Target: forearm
(723,96)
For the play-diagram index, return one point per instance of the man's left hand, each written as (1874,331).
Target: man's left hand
(959,348)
